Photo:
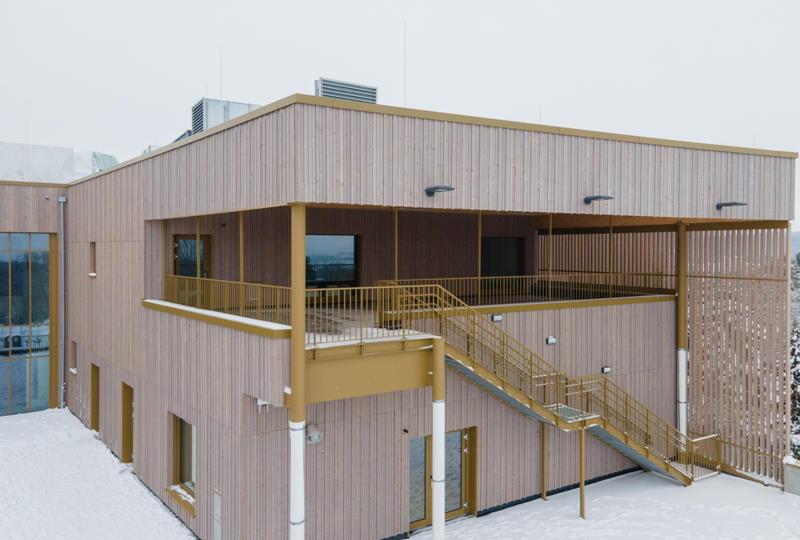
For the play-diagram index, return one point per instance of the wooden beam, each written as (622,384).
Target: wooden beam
(298,313)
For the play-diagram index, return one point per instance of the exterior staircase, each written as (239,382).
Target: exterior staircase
(517,375)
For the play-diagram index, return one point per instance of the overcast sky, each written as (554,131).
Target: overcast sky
(117,77)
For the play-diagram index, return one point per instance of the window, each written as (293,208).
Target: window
(330,260)
(73,358)
(186,256)
(501,257)
(25,322)
(185,455)
(92,259)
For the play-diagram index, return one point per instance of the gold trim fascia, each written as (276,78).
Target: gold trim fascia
(33,183)
(243,327)
(573,304)
(366,375)
(738,225)
(303,99)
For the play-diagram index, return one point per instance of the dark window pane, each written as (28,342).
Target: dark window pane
(186,256)
(330,260)
(4,241)
(5,389)
(501,257)
(20,288)
(452,482)
(40,380)
(417,478)
(19,382)
(40,288)
(4,292)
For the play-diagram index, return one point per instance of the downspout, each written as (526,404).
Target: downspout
(62,297)
(681,321)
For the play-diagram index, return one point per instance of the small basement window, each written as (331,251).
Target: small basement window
(92,259)
(184,463)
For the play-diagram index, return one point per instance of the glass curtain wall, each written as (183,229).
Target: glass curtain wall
(24,322)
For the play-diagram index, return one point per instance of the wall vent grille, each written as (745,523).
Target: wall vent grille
(345,90)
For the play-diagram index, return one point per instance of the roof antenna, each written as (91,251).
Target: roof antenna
(405,86)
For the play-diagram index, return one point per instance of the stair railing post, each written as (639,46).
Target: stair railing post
(605,398)
(691,456)
(718,445)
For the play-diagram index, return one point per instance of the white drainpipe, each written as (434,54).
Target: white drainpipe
(297,483)
(437,472)
(682,370)
(62,298)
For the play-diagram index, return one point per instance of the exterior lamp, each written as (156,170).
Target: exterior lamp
(591,198)
(721,205)
(429,191)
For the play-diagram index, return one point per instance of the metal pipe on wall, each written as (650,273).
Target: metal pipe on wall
(62,202)
(681,321)
(438,442)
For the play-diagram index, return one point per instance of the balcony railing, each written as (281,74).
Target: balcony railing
(477,291)
(251,300)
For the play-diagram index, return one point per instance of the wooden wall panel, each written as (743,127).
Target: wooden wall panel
(636,340)
(358,157)
(31,208)
(739,341)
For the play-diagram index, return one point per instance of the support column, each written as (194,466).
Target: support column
(549,256)
(543,451)
(478,269)
(297,412)
(197,275)
(241,263)
(438,443)
(681,311)
(582,453)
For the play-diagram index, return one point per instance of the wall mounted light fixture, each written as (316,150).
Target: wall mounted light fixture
(591,198)
(721,205)
(430,191)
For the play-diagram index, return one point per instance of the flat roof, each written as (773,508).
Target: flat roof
(319,101)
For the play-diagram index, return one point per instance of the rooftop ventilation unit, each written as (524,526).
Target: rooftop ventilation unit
(345,90)
(207,113)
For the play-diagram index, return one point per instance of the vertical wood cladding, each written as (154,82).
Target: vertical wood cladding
(357,157)
(739,341)
(32,208)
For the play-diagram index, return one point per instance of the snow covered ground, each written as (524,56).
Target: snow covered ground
(644,506)
(58,481)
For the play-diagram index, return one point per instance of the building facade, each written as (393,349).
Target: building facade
(335,319)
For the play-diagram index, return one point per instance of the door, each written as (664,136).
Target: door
(94,412)
(193,260)
(126,452)
(459,482)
